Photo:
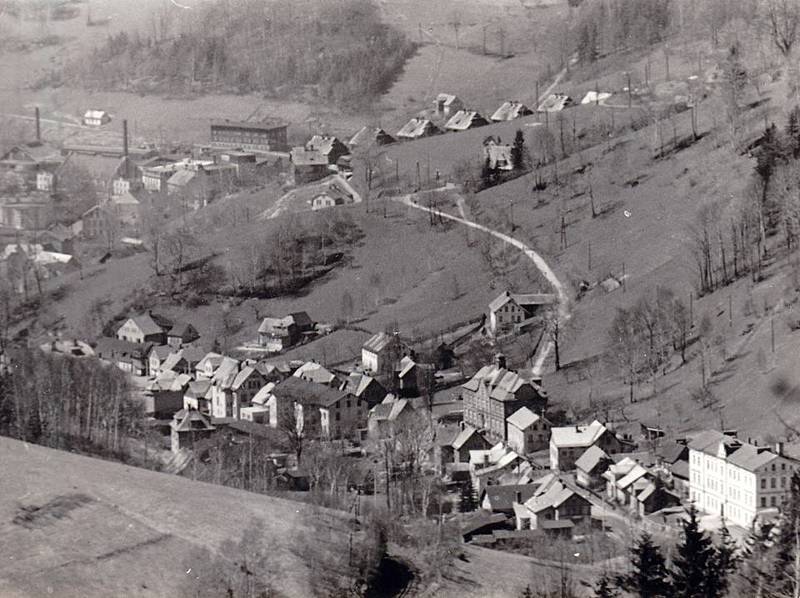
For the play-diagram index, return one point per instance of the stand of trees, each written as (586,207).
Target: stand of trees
(341,47)
(67,403)
(725,250)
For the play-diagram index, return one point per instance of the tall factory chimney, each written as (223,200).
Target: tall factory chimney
(38,127)
(125,138)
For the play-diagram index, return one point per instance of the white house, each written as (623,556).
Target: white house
(736,479)
(568,443)
(96,118)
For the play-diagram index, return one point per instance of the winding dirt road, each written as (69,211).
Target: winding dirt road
(563,298)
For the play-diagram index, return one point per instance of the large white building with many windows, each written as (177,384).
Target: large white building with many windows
(735,479)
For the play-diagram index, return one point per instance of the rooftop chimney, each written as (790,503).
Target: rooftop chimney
(519,496)
(38,126)
(779,448)
(500,361)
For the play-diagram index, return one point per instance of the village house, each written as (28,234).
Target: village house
(164,395)
(207,367)
(527,432)
(311,371)
(98,222)
(368,136)
(509,310)
(629,485)
(497,155)
(456,446)
(388,417)
(331,192)
(365,388)
(156,357)
(278,334)
(414,379)
(494,393)
(329,146)
(96,118)
(142,329)
(198,396)
(417,128)
(674,458)
(234,388)
(187,427)
(501,499)
(29,159)
(127,356)
(568,443)
(180,334)
(654,496)
(381,353)
(183,361)
(307,166)
(318,410)
(446,104)
(487,467)
(465,119)
(267,134)
(510,110)
(556,102)
(590,467)
(29,211)
(738,480)
(554,500)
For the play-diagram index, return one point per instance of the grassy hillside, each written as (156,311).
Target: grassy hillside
(85,527)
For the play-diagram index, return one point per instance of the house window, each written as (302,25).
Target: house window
(763,483)
(338,417)
(783,482)
(348,404)
(772,483)
(772,501)
(763,501)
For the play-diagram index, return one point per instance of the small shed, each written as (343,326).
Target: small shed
(96,118)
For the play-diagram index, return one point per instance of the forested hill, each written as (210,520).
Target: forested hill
(338,47)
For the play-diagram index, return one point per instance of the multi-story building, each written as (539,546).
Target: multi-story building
(737,480)
(568,443)
(265,135)
(494,393)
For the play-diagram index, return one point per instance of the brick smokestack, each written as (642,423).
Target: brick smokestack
(38,126)
(125,138)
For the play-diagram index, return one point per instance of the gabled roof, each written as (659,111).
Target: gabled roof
(446,98)
(145,324)
(188,420)
(243,375)
(510,110)
(390,411)
(302,319)
(465,119)
(324,144)
(463,437)
(378,342)
(314,372)
(523,418)
(406,365)
(591,458)
(263,394)
(750,457)
(181,178)
(418,127)
(226,372)
(556,494)
(633,475)
(357,383)
(504,383)
(184,330)
(577,436)
(211,358)
(300,156)
(98,114)
(369,135)
(276,326)
(198,389)
(556,102)
(308,393)
(500,301)
(501,498)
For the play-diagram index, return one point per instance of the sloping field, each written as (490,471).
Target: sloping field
(76,526)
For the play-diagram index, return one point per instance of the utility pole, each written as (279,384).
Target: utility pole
(730,311)
(484,41)
(624,284)
(691,309)
(630,101)
(590,256)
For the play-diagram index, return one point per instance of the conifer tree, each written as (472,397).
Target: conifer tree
(725,563)
(649,577)
(605,587)
(694,565)
(518,151)
(467,501)
(793,132)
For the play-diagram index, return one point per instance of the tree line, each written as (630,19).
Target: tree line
(766,219)
(341,48)
(67,403)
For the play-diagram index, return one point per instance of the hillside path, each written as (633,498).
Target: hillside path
(563,299)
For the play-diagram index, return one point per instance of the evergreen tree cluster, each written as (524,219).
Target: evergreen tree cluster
(700,569)
(605,27)
(339,47)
